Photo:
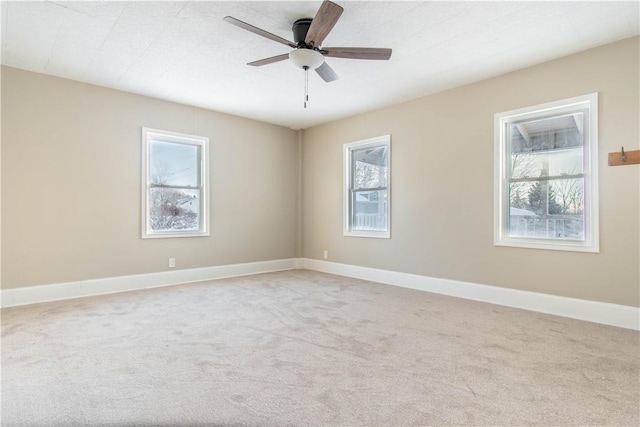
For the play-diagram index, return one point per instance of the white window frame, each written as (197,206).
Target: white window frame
(149,134)
(379,141)
(590,165)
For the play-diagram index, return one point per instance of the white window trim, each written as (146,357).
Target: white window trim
(147,135)
(591,206)
(346,204)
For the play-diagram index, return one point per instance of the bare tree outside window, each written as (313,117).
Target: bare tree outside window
(174,181)
(547,178)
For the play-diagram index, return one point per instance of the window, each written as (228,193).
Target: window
(546,194)
(175,175)
(367,195)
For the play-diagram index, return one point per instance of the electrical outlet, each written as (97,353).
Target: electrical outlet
(326,254)
(172,262)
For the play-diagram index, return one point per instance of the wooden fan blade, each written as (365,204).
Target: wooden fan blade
(258,31)
(357,52)
(326,72)
(270,60)
(323,22)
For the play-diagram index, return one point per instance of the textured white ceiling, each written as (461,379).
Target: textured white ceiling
(184,52)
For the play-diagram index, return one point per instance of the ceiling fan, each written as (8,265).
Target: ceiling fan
(308,35)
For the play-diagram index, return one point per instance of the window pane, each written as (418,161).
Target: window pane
(550,163)
(369,210)
(174,209)
(551,146)
(547,209)
(549,133)
(174,164)
(370,167)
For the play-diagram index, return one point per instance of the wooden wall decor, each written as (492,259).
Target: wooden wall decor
(624,158)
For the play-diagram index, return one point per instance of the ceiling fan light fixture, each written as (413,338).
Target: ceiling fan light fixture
(306,58)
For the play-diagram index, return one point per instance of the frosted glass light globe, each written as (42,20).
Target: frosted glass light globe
(302,58)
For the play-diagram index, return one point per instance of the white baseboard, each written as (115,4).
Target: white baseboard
(84,288)
(598,312)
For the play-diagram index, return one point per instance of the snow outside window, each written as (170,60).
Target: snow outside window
(546,183)
(367,194)
(174,184)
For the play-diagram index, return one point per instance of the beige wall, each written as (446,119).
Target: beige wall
(442,183)
(71,184)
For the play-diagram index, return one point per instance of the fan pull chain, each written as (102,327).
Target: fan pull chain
(306,85)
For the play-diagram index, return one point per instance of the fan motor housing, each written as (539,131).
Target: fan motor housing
(300,29)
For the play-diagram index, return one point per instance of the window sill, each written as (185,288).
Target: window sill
(549,245)
(172,235)
(374,234)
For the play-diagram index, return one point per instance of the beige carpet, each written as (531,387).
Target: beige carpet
(305,348)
